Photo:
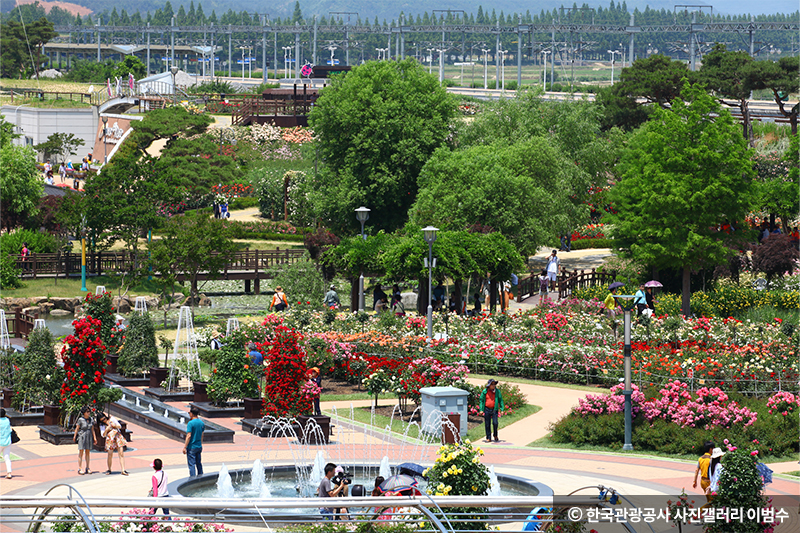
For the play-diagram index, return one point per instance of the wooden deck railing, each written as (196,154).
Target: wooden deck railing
(568,282)
(20,324)
(252,261)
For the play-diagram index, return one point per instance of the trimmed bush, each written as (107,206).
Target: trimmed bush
(139,352)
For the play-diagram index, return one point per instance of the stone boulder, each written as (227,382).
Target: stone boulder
(66,304)
(59,312)
(45,308)
(409,300)
(32,311)
(122,304)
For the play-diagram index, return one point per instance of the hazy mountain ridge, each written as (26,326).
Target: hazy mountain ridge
(390,10)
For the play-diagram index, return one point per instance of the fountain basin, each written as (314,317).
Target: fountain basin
(282,483)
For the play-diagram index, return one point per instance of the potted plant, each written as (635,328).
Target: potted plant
(233,377)
(159,374)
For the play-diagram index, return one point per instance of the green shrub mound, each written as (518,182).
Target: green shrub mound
(139,352)
(776,434)
(37,379)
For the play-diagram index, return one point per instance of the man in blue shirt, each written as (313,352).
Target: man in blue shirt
(193,446)
(255,356)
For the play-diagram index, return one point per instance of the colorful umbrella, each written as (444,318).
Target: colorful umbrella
(653,283)
(399,483)
(616,285)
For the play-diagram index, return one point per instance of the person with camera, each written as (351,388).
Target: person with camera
(330,487)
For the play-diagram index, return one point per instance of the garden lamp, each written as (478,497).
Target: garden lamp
(430,237)
(174,70)
(362,214)
(625,301)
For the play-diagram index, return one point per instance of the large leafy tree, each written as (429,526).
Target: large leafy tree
(522,190)
(21,48)
(685,172)
(728,74)
(782,77)
(191,246)
(656,79)
(21,185)
(377,127)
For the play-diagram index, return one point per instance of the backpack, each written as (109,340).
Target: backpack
(543,284)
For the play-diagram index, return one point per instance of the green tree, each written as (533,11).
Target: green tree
(19,43)
(729,74)
(377,126)
(169,122)
(139,352)
(684,173)
(196,165)
(38,381)
(190,246)
(20,183)
(7,134)
(522,190)
(782,77)
(130,65)
(740,487)
(62,145)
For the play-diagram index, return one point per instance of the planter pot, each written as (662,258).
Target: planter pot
(199,388)
(112,367)
(8,393)
(157,375)
(253,407)
(314,436)
(52,415)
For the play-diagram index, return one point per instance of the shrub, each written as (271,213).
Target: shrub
(286,374)
(99,307)
(302,282)
(84,355)
(38,242)
(775,256)
(9,273)
(233,377)
(38,380)
(139,352)
(596,292)
(740,487)
(458,471)
(513,398)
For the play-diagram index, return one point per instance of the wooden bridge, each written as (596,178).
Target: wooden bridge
(248,265)
(567,282)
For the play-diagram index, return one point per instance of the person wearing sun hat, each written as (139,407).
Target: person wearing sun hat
(491,407)
(715,470)
(215,343)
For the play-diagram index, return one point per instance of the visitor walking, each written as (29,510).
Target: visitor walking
(491,406)
(553,268)
(5,441)
(85,438)
(397,299)
(160,483)
(193,446)
(715,470)
(640,300)
(62,171)
(543,282)
(331,299)
(115,441)
(703,464)
(279,302)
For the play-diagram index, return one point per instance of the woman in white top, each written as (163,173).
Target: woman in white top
(160,483)
(715,470)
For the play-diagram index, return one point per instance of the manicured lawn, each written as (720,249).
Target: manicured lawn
(554,384)
(363,416)
(71,287)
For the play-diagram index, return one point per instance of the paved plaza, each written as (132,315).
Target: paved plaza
(41,465)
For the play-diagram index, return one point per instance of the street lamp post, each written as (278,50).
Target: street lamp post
(612,52)
(362,214)
(174,70)
(105,146)
(626,303)
(83,254)
(503,69)
(544,53)
(485,65)
(430,238)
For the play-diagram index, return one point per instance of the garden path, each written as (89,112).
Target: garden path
(555,403)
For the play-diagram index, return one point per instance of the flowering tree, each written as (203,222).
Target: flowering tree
(233,376)
(286,374)
(84,356)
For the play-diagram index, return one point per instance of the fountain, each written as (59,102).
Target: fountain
(5,340)
(494,484)
(224,484)
(384,471)
(364,451)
